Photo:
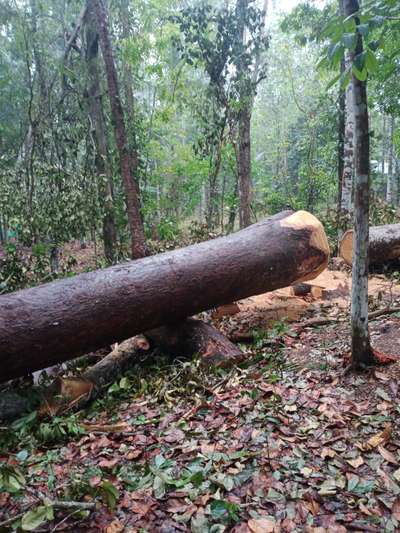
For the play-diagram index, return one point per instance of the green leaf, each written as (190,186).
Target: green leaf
(197,479)
(359,60)
(222,509)
(360,74)
(349,40)
(335,53)
(158,487)
(363,29)
(374,45)
(35,517)
(333,81)
(352,483)
(371,62)
(124,383)
(110,494)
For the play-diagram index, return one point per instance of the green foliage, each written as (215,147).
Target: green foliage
(29,431)
(224,511)
(37,516)
(11,479)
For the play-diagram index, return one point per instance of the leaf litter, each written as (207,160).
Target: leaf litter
(285,442)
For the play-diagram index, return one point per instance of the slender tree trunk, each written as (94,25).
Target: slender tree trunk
(340,147)
(103,164)
(361,348)
(128,160)
(391,192)
(244,167)
(383,150)
(128,85)
(346,197)
(244,123)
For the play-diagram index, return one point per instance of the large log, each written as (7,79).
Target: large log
(384,244)
(61,320)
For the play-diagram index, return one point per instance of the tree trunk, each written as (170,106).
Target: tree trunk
(97,118)
(383,150)
(361,349)
(346,196)
(244,123)
(384,244)
(127,160)
(340,145)
(391,193)
(244,167)
(61,320)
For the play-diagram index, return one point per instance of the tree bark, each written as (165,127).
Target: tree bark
(384,244)
(244,123)
(244,167)
(127,159)
(97,118)
(340,142)
(346,196)
(391,193)
(61,320)
(361,348)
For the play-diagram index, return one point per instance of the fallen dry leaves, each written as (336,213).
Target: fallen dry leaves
(261,449)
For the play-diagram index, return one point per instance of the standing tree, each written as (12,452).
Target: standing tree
(228,44)
(346,195)
(98,124)
(362,353)
(128,160)
(244,117)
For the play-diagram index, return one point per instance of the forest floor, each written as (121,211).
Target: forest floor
(288,441)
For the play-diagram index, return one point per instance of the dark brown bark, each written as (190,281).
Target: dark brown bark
(61,320)
(244,123)
(103,164)
(128,160)
(360,346)
(384,244)
(196,337)
(244,166)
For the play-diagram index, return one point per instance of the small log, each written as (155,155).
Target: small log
(65,393)
(61,320)
(75,392)
(384,244)
(191,337)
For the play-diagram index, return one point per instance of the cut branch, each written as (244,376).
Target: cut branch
(191,337)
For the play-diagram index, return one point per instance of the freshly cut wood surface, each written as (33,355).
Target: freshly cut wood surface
(384,244)
(61,320)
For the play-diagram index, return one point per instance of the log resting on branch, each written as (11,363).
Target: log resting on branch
(384,244)
(61,320)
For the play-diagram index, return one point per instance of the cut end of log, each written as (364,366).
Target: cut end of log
(303,220)
(346,247)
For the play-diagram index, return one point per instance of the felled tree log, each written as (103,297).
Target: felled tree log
(384,244)
(61,320)
(190,337)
